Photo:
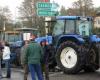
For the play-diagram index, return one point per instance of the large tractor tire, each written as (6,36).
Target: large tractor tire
(93,63)
(70,57)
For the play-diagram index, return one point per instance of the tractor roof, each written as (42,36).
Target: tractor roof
(23,29)
(72,17)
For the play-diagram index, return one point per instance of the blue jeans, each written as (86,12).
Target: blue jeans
(35,69)
(7,66)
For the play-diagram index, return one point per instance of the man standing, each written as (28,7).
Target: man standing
(25,66)
(45,58)
(0,67)
(1,47)
(6,58)
(33,57)
(0,70)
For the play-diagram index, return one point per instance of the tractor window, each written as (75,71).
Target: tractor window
(84,28)
(12,37)
(70,26)
(59,27)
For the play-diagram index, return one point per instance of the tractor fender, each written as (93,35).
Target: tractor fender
(94,38)
(75,38)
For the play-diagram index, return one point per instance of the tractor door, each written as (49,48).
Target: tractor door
(84,29)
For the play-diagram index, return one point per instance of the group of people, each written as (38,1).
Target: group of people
(5,56)
(32,55)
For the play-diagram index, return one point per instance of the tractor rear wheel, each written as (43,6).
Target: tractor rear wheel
(93,61)
(70,58)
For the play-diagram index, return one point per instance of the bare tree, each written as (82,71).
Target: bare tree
(5,17)
(28,13)
(63,11)
(82,7)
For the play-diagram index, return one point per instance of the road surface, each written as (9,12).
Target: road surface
(17,74)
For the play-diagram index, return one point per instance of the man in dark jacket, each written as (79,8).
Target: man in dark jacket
(0,62)
(33,58)
(45,58)
(1,47)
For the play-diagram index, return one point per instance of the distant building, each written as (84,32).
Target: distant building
(97,21)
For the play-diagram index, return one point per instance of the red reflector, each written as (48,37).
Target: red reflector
(46,0)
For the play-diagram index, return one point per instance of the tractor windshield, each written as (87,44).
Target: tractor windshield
(81,27)
(12,37)
(58,27)
(64,27)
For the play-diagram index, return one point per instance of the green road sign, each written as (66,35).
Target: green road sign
(46,9)
(42,5)
(46,13)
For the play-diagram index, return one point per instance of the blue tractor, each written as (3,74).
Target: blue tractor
(76,47)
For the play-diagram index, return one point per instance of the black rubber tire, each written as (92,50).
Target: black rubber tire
(80,57)
(92,67)
(89,69)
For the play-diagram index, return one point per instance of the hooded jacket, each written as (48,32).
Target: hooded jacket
(6,53)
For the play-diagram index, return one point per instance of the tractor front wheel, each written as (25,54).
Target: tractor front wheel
(70,58)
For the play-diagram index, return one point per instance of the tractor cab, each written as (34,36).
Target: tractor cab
(73,25)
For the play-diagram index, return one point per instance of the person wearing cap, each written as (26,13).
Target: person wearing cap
(33,58)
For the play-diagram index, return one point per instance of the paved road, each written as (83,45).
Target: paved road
(18,75)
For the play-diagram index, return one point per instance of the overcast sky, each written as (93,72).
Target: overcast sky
(13,4)
(68,3)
